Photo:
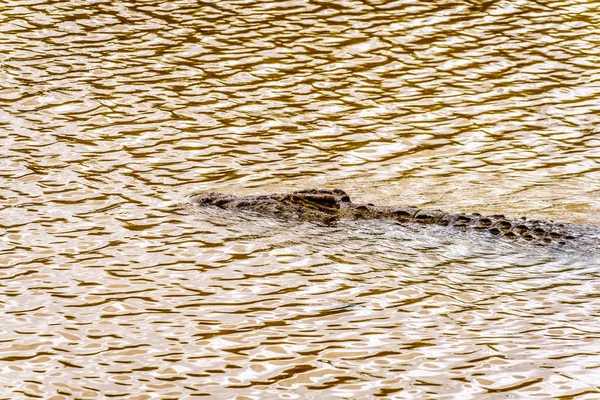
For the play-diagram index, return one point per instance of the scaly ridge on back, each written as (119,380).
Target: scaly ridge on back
(330,205)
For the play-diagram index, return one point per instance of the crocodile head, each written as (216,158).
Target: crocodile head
(323,200)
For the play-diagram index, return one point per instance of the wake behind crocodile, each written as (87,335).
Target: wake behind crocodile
(331,207)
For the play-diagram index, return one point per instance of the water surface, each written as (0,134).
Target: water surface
(113,112)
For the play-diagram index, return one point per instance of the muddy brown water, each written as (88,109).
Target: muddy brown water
(113,112)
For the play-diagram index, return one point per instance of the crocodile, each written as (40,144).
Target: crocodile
(330,205)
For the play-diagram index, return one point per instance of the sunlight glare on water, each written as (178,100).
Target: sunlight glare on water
(113,113)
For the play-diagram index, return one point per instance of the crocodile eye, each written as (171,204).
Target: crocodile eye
(344,198)
(344,195)
(295,198)
(322,199)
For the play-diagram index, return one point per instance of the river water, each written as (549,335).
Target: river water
(112,113)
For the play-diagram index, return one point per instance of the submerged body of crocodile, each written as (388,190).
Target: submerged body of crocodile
(327,206)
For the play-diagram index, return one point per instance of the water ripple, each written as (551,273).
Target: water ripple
(112,114)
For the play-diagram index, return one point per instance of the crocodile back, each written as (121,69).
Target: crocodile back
(329,205)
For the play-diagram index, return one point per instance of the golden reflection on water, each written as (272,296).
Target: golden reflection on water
(110,112)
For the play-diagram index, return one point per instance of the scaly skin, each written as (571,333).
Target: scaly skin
(328,206)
